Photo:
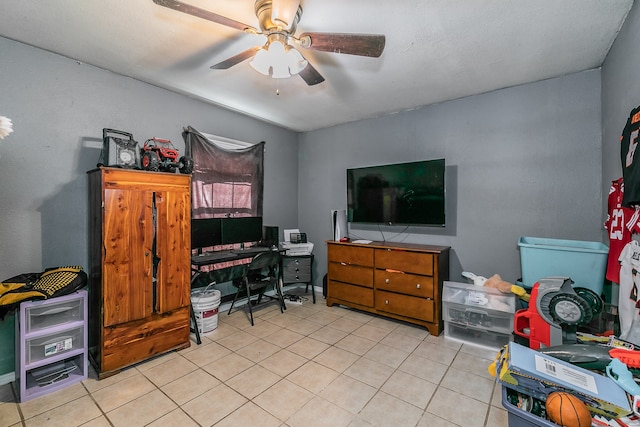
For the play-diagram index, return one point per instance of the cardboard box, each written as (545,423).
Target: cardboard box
(531,372)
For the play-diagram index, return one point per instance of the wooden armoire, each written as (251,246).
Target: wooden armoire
(139,278)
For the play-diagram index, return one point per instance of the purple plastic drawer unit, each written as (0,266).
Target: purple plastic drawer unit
(51,344)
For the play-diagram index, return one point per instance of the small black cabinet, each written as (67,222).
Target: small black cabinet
(297,269)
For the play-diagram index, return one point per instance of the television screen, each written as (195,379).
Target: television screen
(241,229)
(401,193)
(205,232)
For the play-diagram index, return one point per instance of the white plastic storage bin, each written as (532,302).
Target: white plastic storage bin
(478,315)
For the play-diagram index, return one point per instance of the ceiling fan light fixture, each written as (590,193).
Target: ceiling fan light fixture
(261,62)
(295,60)
(278,60)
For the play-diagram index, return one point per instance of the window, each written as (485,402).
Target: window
(227,177)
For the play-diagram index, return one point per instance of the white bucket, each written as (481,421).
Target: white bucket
(205,304)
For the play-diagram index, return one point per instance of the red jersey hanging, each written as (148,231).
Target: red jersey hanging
(621,223)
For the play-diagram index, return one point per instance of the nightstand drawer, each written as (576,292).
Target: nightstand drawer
(296,278)
(293,270)
(296,262)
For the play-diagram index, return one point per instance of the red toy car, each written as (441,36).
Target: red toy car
(160,155)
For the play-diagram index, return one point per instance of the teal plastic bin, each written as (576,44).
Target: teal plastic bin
(584,262)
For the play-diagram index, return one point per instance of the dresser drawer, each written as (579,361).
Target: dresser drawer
(406,261)
(350,293)
(350,255)
(405,305)
(404,283)
(349,273)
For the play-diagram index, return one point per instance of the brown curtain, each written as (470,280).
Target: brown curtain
(224,182)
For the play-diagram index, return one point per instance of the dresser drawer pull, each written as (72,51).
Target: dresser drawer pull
(297,262)
(297,269)
(386,302)
(418,286)
(386,280)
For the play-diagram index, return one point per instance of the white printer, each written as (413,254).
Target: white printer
(295,243)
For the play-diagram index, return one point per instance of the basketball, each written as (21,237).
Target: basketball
(567,410)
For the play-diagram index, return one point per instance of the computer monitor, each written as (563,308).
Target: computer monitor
(241,229)
(206,232)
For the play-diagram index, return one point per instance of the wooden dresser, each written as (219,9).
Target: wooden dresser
(398,280)
(140,270)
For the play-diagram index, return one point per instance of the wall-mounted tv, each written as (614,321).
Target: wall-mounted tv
(398,194)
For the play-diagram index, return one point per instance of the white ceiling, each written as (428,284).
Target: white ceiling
(436,50)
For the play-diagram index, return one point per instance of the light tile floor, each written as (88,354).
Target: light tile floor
(312,366)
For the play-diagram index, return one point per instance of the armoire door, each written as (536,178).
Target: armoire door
(127,267)
(173,241)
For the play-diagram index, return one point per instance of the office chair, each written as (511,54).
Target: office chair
(261,274)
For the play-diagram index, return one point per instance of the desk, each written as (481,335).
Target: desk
(225,274)
(216,257)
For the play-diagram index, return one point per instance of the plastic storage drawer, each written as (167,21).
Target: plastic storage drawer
(476,336)
(40,317)
(40,348)
(478,307)
(40,379)
(584,262)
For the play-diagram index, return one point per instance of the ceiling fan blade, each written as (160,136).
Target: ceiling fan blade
(352,44)
(236,59)
(283,12)
(310,75)
(204,14)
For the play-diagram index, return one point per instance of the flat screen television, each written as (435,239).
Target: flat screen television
(410,193)
(241,229)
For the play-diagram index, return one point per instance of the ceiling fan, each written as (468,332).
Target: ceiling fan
(278,20)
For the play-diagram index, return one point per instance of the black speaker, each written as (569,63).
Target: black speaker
(270,236)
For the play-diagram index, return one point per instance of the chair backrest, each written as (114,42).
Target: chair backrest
(265,259)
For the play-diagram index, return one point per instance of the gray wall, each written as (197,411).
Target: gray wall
(523,161)
(620,94)
(533,160)
(58,108)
